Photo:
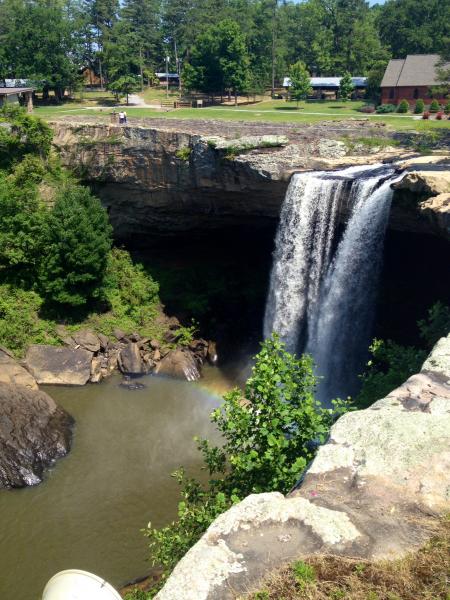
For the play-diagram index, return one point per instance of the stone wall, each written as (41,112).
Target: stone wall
(373,491)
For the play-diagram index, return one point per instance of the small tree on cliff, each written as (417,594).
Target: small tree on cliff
(267,432)
(79,240)
(300,81)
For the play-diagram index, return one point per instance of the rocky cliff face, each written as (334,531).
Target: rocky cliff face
(161,180)
(371,492)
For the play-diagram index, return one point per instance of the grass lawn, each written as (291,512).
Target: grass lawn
(276,111)
(154,95)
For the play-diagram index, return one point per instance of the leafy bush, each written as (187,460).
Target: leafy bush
(447,108)
(20,323)
(436,325)
(131,292)
(24,134)
(434,106)
(439,115)
(391,364)
(426,115)
(183,153)
(79,240)
(403,106)
(419,107)
(386,108)
(268,432)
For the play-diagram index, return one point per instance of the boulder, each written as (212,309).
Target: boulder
(13,373)
(104,341)
(87,340)
(96,369)
(59,365)
(130,361)
(180,364)
(119,334)
(34,432)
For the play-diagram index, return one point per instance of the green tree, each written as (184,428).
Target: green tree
(39,42)
(268,433)
(219,61)
(374,78)
(22,230)
(414,26)
(73,267)
(123,86)
(300,81)
(346,87)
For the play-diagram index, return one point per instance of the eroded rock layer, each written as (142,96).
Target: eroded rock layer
(371,492)
(166,180)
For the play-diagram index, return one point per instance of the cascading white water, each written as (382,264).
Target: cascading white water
(320,302)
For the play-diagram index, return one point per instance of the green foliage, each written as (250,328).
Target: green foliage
(391,364)
(183,153)
(23,228)
(20,322)
(22,134)
(447,108)
(300,81)
(386,108)
(219,60)
(414,26)
(78,242)
(303,573)
(434,106)
(123,86)
(419,107)
(346,87)
(268,433)
(403,106)
(185,335)
(131,293)
(436,325)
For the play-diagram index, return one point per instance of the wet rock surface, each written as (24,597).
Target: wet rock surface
(34,432)
(180,364)
(372,492)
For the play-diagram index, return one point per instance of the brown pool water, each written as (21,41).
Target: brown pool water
(88,512)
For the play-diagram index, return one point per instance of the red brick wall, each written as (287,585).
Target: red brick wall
(407,93)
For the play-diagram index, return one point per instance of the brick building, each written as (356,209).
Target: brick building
(410,78)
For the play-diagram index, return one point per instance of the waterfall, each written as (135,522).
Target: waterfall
(322,294)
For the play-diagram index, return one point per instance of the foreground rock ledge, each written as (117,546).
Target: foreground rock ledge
(373,491)
(34,432)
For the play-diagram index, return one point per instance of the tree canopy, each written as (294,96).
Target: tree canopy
(217,44)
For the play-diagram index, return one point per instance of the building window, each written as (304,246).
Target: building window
(391,93)
(416,93)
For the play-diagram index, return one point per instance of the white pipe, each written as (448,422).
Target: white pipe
(75,584)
